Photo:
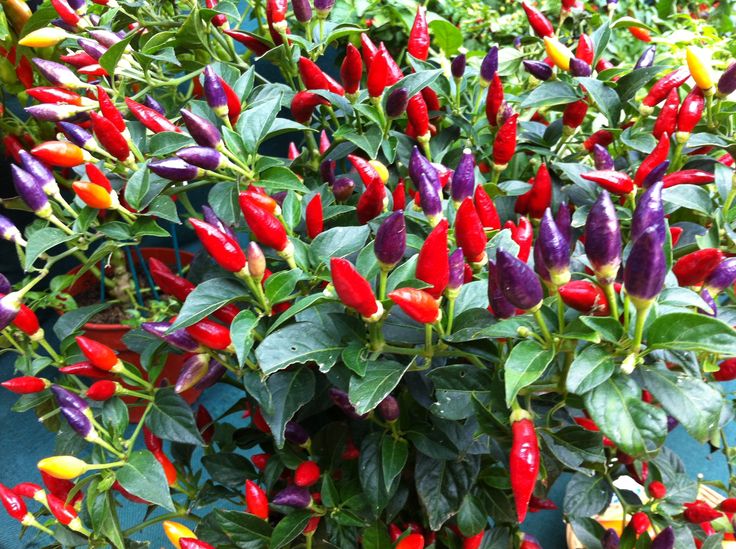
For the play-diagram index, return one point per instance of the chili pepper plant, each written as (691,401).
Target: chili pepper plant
(466,278)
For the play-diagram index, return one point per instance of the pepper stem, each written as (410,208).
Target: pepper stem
(50,350)
(610,292)
(627,302)
(428,340)
(543,326)
(641,318)
(382,284)
(560,312)
(450,314)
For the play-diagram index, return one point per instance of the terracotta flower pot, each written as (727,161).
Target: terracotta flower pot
(112,334)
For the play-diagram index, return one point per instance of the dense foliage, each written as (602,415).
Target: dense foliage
(485,260)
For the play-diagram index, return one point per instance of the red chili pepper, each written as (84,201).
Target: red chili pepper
(224,249)
(27,322)
(109,137)
(692,269)
(699,511)
(486,209)
(256,500)
(727,370)
(169,283)
(303,105)
(655,158)
(657,490)
(585,296)
(541,504)
(418,115)
(586,49)
(433,261)
(127,495)
(314,217)
(66,12)
(368,48)
(418,45)
(523,460)
(601,137)
(399,196)
(307,474)
(540,24)
(61,488)
(64,513)
(667,118)
(419,305)
(688,177)
(367,172)
(85,369)
(378,74)
(412,541)
(78,59)
(210,334)
(155,446)
(253,43)
(12,147)
(110,111)
(99,355)
(690,114)
(663,87)
(13,503)
(96,176)
(727,160)
(354,290)
(432,100)
(26,385)
(60,153)
(613,181)
(260,461)
(315,79)
(234,106)
(260,198)
(640,34)
(267,229)
(24,72)
(675,234)
(351,70)
(103,390)
(494,100)
(473,542)
(574,114)
(57,96)
(537,199)
(394,72)
(372,202)
(504,145)
(30,490)
(640,522)
(205,424)
(469,232)
(150,118)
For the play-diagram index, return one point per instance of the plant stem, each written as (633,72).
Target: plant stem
(155,520)
(627,301)
(542,326)
(450,314)
(428,340)
(382,284)
(50,350)
(641,318)
(610,292)
(560,312)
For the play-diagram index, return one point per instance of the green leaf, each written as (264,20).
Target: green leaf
(394,454)
(608,328)
(43,240)
(164,207)
(549,94)
(633,81)
(246,531)
(605,98)
(636,427)
(376,536)
(338,242)
(289,528)
(171,418)
(471,517)
(137,187)
(223,198)
(205,299)
(74,320)
(370,471)
(574,446)
(369,141)
(691,401)
(442,485)
(691,197)
(446,36)
(104,518)
(229,469)
(280,396)
(111,57)
(165,143)
(298,343)
(255,123)
(241,334)
(587,496)
(381,377)
(627,22)
(692,332)
(297,307)
(144,477)
(278,178)
(600,38)
(415,82)
(590,368)
(280,286)
(524,366)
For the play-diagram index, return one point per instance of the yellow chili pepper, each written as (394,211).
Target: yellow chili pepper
(380,168)
(43,38)
(699,65)
(63,467)
(175,531)
(17,12)
(558,52)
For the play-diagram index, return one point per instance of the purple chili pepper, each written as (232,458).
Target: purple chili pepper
(610,539)
(390,243)
(539,267)
(40,171)
(457,273)
(203,157)
(105,37)
(389,408)
(213,375)
(419,165)
(342,188)
(603,239)
(563,219)
(95,19)
(489,66)
(48,112)
(295,433)
(538,69)
(31,192)
(727,81)
(174,169)
(504,113)
(664,540)
(78,135)
(9,232)
(77,5)
(578,67)
(214,93)
(9,308)
(151,103)
(302,10)
(656,174)
(67,399)
(602,158)
(211,217)
(463,180)
(341,400)
(645,269)
(323,7)
(178,338)
(647,58)
(59,22)
(457,67)
(92,48)
(192,372)
(4,284)
(708,298)
(327,171)
(554,250)
(721,277)
(279,197)
(672,423)
(57,74)
(397,102)
(500,306)
(431,200)
(518,282)
(293,496)
(204,132)
(649,213)
(79,422)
